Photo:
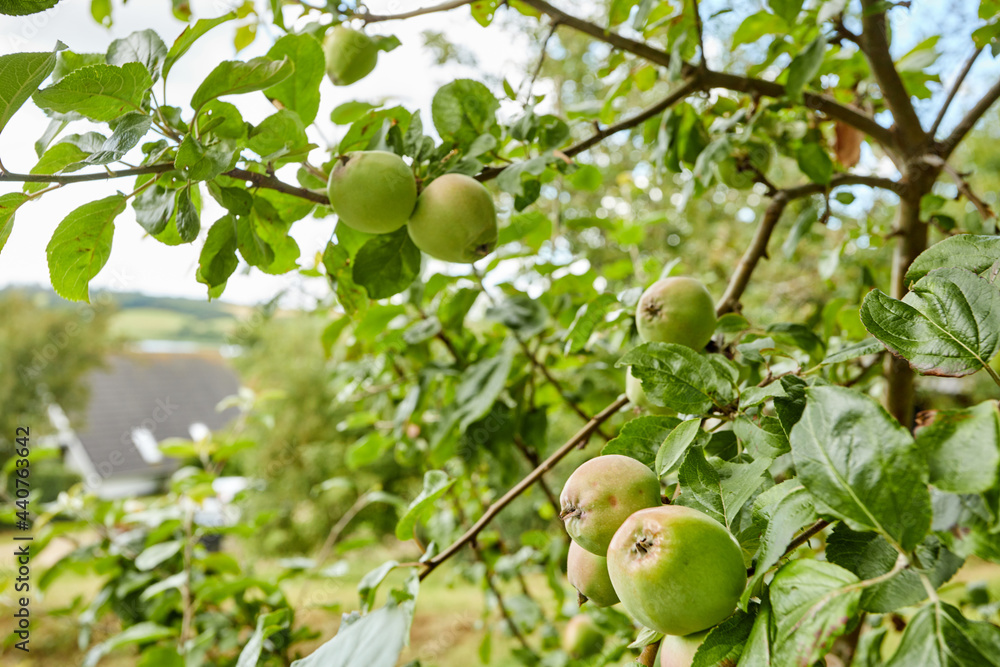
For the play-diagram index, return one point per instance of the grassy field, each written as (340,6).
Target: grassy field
(447,630)
(162,324)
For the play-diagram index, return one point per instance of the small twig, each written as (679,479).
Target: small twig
(648,656)
(531,455)
(969,121)
(501,605)
(538,65)
(338,528)
(699,29)
(581,437)
(805,536)
(367,18)
(954,91)
(963,185)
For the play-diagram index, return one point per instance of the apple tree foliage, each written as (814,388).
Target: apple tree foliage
(799,437)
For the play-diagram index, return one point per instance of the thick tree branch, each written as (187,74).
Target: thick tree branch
(971,118)
(954,91)
(577,440)
(822,103)
(734,82)
(758,246)
(443,7)
(875,45)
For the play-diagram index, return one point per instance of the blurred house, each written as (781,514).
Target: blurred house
(136,402)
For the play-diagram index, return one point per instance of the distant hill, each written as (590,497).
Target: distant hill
(144,317)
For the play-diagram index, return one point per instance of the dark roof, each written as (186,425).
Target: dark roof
(165,393)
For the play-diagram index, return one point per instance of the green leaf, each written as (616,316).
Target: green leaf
(387,264)
(56,159)
(267,625)
(154,207)
(200,162)
(20,76)
(98,92)
(793,511)
(869,555)
(373,640)
(189,36)
(436,483)
(25,7)
(757,650)
(462,110)
(756,26)
(531,229)
(349,112)
(675,444)
(280,133)
(484,10)
(144,47)
(677,377)
(641,437)
(157,554)
(368,586)
(300,91)
(963,251)
(720,493)
(188,221)
(805,66)
(853,351)
(129,130)
(812,603)
(725,642)
(939,636)
(949,324)
(233,77)
(81,246)
(520,313)
(217,260)
(862,465)
(962,448)
(587,177)
(587,318)
(786,9)
(815,163)
(9,203)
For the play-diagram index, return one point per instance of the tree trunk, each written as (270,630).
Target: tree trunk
(912,241)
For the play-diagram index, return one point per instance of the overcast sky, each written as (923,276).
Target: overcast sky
(406,76)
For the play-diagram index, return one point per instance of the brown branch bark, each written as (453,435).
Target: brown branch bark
(531,455)
(268,181)
(969,121)
(648,656)
(367,18)
(875,45)
(912,232)
(954,91)
(577,440)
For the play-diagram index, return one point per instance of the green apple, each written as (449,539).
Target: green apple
(676,570)
(372,191)
(676,310)
(455,220)
(601,494)
(637,395)
(350,55)
(588,574)
(679,651)
(582,638)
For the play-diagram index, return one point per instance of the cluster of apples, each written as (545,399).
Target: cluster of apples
(674,569)
(453,219)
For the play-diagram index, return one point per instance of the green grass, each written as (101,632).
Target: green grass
(162,324)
